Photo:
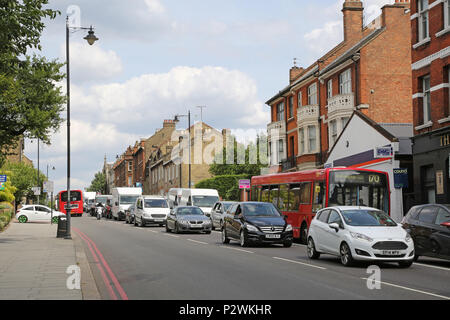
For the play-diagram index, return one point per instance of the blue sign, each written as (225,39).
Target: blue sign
(400,178)
(3,178)
(384,152)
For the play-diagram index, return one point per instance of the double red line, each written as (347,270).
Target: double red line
(102,265)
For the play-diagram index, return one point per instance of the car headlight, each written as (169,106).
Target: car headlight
(251,227)
(408,238)
(360,236)
(184,222)
(289,227)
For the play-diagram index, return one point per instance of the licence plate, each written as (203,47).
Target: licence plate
(159,220)
(273,236)
(391,253)
(196,226)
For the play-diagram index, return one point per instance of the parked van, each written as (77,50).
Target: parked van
(123,198)
(89,198)
(151,210)
(174,197)
(205,199)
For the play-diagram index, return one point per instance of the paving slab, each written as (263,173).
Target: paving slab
(33,263)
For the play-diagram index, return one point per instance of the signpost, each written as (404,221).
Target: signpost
(245,185)
(3,179)
(49,188)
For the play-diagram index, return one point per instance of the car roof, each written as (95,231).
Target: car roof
(344,208)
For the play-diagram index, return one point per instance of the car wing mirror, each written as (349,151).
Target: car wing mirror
(334,226)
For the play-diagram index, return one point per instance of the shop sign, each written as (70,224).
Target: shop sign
(401,178)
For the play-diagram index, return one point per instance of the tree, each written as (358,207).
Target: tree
(249,166)
(31,101)
(98,184)
(23,177)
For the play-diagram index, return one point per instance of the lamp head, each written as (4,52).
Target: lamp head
(91,38)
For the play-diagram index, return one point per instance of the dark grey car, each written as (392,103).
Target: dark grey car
(188,219)
(218,213)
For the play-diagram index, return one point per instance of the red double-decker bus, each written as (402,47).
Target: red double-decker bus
(76,202)
(299,195)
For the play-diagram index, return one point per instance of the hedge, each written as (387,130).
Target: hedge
(6,212)
(227,186)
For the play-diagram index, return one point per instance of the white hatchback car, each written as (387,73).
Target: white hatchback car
(37,213)
(151,210)
(359,233)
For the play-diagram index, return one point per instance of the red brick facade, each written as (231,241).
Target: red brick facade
(376,58)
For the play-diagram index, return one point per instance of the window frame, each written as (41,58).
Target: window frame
(300,99)
(345,82)
(280,111)
(312,148)
(446,14)
(423,18)
(426,99)
(330,89)
(312,94)
(291,107)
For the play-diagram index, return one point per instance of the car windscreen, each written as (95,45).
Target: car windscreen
(102,200)
(128,199)
(156,203)
(367,218)
(189,211)
(74,196)
(260,210)
(205,201)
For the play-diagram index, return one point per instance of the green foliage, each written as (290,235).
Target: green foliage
(6,213)
(7,194)
(30,100)
(252,164)
(227,186)
(23,177)
(98,184)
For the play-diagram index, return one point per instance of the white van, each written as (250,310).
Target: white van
(205,199)
(151,210)
(174,197)
(123,198)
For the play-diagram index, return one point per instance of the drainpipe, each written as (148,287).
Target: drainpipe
(317,74)
(356,57)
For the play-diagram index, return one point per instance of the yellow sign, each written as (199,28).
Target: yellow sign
(440,182)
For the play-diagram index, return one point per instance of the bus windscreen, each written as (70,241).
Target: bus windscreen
(74,196)
(359,188)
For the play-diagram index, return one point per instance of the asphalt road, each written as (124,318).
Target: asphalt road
(149,264)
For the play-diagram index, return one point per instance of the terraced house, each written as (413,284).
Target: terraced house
(430,35)
(368,71)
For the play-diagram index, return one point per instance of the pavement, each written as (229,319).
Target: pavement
(33,264)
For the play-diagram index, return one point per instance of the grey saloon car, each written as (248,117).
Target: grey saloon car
(188,219)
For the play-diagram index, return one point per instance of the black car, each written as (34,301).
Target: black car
(256,222)
(429,226)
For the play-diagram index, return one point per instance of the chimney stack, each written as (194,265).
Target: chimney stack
(353,20)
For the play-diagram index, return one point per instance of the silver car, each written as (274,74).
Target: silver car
(188,219)
(218,213)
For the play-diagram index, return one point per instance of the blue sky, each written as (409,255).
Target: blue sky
(157,58)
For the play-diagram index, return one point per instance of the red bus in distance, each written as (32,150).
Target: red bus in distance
(299,195)
(76,197)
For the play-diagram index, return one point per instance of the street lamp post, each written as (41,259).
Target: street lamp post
(189,142)
(90,38)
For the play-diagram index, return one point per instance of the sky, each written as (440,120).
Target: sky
(158,58)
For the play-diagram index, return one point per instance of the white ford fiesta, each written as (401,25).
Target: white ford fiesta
(359,233)
(37,213)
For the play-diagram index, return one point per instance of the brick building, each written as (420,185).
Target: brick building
(169,162)
(430,35)
(123,169)
(368,71)
(139,164)
(16,154)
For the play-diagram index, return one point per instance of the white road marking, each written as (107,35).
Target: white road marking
(430,266)
(409,289)
(297,262)
(196,241)
(170,235)
(225,247)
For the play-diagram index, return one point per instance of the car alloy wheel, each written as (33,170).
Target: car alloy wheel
(243,239)
(312,253)
(23,219)
(225,239)
(346,255)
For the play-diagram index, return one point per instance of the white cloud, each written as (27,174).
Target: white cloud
(92,63)
(155,7)
(143,102)
(323,39)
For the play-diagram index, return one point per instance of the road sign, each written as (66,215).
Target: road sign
(48,187)
(36,191)
(3,178)
(244,184)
